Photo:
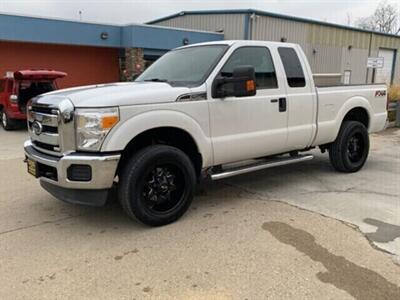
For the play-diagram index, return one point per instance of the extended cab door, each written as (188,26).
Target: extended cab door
(301,98)
(249,127)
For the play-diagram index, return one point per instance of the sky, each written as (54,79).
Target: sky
(140,11)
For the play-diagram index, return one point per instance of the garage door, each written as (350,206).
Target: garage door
(384,75)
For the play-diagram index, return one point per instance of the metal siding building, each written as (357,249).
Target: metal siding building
(233,25)
(330,48)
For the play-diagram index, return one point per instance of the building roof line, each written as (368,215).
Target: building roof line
(268,14)
(60,19)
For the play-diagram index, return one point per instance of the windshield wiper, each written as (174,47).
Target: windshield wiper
(156,80)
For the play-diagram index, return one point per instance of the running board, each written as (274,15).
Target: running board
(260,166)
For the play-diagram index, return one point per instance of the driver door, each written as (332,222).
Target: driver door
(255,126)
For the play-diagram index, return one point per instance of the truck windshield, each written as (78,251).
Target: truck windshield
(184,67)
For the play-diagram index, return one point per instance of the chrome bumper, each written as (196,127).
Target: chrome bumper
(103,168)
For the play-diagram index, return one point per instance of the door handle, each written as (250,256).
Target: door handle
(274,100)
(282,104)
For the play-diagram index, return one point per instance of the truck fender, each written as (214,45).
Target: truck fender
(351,103)
(124,132)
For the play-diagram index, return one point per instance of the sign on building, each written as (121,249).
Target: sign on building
(375,62)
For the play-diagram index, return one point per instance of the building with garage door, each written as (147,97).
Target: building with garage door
(89,53)
(98,53)
(333,50)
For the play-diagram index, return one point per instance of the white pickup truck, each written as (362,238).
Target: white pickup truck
(207,110)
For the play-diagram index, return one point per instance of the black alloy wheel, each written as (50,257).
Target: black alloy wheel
(349,152)
(156,185)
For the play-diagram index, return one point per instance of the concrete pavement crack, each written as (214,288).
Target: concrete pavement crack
(39,224)
(350,191)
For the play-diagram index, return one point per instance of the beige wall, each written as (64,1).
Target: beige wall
(232,25)
(329,49)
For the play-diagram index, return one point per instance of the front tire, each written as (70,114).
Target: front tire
(349,152)
(156,186)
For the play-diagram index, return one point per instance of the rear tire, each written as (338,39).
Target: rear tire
(349,152)
(6,122)
(156,185)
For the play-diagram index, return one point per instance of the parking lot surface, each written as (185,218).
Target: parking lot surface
(300,231)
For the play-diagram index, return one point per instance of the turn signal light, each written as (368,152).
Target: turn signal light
(250,85)
(109,121)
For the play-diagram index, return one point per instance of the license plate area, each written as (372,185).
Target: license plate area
(32,167)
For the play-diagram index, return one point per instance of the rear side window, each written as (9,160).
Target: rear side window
(291,63)
(258,57)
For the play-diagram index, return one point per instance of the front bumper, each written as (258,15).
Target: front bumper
(55,180)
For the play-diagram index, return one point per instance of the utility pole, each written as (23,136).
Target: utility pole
(80,16)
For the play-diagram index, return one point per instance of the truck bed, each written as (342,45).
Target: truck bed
(335,101)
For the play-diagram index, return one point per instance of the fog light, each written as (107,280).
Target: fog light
(79,173)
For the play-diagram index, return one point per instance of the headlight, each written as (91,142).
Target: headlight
(93,125)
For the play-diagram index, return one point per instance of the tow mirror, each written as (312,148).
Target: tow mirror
(13,98)
(241,84)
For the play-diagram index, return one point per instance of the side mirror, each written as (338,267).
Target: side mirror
(241,84)
(13,98)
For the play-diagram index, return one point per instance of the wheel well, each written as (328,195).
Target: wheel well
(166,136)
(358,114)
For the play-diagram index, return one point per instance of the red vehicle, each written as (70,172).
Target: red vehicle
(17,88)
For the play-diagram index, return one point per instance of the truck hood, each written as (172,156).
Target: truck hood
(122,93)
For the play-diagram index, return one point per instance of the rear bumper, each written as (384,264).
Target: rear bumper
(378,122)
(103,168)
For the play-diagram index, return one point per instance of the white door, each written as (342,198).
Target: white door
(301,98)
(249,127)
(384,75)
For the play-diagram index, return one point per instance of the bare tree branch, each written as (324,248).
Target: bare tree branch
(386,19)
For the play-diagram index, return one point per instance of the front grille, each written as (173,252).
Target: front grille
(51,124)
(45,136)
(47,147)
(47,171)
(45,110)
(46,128)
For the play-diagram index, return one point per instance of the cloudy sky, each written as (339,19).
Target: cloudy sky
(139,11)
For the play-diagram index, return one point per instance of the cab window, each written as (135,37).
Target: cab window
(293,69)
(258,57)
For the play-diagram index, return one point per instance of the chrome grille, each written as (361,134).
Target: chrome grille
(48,138)
(50,131)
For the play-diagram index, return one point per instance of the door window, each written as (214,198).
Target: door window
(258,57)
(293,69)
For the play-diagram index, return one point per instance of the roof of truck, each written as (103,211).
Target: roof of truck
(243,42)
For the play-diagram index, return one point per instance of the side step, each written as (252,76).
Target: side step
(264,164)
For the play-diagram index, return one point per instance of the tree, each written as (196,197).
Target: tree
(386,19)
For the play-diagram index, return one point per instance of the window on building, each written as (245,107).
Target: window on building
(291,63)
(258,57)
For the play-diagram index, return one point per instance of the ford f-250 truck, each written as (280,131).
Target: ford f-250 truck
(207,110)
